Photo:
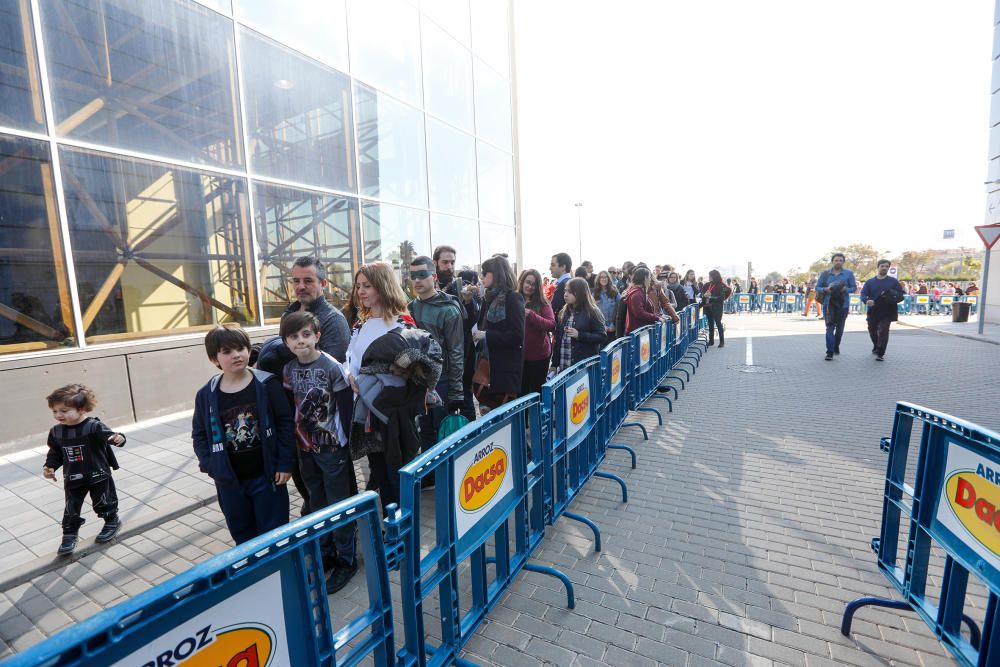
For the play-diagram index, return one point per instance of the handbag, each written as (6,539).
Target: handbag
(481,387)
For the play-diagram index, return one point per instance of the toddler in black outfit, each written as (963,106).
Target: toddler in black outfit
(80,445)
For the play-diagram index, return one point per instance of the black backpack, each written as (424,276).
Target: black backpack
(621,312)
(272,355)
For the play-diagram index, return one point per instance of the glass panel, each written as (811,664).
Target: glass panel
(447,77)
(294,223)
(489,33)
(298,116)
(492,107)
(158,249)
(451,160)
(156,77)
(316,27)
(35,304)
(391,155)
(385,46)
(496,184)
(452,15)
(20,93)
(396,235)
(462,234)
(224,6)
(498,239)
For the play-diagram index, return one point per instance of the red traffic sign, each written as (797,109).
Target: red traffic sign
(989,234)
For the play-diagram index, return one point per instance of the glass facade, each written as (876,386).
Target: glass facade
(162,164)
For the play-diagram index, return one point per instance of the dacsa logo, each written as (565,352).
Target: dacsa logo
(237,646)
(976,503)
(483,478)
(580,406)
(616,370)
(644,350)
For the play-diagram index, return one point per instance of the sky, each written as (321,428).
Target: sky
(710,134)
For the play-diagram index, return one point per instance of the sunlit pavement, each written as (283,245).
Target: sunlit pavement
(747,530)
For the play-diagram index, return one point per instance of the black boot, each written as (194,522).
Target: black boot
(111,527)
(68,544)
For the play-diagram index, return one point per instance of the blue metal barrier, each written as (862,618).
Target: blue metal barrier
(489,496)
(263,602)
(955,505)
(645,379)
(616,377)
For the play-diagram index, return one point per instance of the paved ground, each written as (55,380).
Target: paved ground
(747,528)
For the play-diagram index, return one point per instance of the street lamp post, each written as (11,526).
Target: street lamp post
(579,230)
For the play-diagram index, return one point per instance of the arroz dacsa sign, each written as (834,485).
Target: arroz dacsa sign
(616,370)
(969,506)
(244,630)
(577,404)
(483,478)
(644,348)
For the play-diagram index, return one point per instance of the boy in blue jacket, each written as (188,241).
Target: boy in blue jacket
(243,437)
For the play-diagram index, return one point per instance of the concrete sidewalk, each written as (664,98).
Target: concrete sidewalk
(158,480)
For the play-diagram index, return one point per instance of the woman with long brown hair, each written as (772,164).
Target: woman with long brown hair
(606,297)
(539,323)
(580,330)
(501,325)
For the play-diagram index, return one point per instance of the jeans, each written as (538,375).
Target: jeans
(102,495)
(253,508)
(835,330)
(329,474)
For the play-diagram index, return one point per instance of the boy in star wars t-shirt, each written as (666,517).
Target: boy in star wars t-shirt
(80,445)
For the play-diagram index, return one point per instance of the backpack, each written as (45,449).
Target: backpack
(621,312)
(272,355)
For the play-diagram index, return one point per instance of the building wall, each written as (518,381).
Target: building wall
(163,164)
(993,179)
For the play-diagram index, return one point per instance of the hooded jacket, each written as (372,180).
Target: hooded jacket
(441,316)
(277,437)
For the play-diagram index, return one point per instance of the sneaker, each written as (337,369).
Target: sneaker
(711,342)
(722,344)
(874,351)
(829,356)
(836,350)
(880,358)
(108,532)
(340,576)
(67,546)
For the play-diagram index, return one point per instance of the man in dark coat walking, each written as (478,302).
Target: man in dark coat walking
(881,294)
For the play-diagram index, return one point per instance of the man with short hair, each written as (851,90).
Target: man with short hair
(467,296)
(309,282)
(440,315)
(881,294)
(588,266)
(834,287)
(561,268)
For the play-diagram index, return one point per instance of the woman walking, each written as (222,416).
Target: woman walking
(580,330)
(388,397)
(501,326)
(606,297)
(539,323)
(713,296)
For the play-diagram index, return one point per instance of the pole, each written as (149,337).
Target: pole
(579,231)
(982,292)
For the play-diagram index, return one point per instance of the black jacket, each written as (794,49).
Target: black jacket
(505,344)
(559,297)
(590,341)
(680,295)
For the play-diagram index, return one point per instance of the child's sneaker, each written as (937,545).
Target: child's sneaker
(67,546)
(111,528)
(340,575)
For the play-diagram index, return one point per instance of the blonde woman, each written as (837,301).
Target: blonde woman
(387,398)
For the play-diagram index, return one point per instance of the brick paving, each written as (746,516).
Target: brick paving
(746,531)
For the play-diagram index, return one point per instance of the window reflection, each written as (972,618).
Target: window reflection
(35,304)
(156,77)
(447,77)
(496,184)
(298,116)
(462,234)
(451,166)
(489,33)
(157,249)
(498,239)
(452,15)
(385,46)
(315,27)
(492,107)
(20,91)
(294,223)
(396,235)
(391,155)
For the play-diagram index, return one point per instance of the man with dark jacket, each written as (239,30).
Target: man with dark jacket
(561,268)
(881,294)
(462,286)
(309,281)
(440,315)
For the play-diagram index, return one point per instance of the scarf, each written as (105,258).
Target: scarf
(498,305)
